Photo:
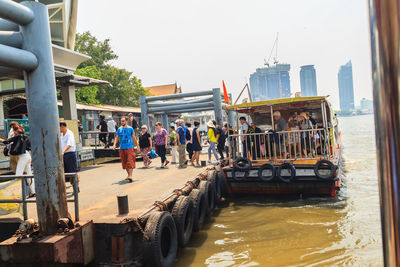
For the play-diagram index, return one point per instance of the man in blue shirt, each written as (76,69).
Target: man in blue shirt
(181,132)
(126,137)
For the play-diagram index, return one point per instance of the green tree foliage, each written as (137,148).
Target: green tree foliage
(125,88)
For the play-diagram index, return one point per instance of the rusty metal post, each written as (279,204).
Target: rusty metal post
(384,18)
(44,122)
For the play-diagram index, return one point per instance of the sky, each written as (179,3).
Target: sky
(200,43)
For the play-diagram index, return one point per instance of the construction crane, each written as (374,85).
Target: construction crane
(274,48)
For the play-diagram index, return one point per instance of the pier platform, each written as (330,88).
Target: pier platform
(101,184)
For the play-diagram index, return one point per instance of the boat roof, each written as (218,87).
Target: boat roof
(279,101)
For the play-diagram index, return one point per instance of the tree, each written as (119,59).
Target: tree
(100,52)
(126,89)
(88,94)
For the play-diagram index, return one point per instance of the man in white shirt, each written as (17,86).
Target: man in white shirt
(68,148)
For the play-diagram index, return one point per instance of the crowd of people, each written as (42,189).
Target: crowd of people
(183,140)
(300,143)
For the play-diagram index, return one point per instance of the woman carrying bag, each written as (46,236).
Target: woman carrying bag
(145,144)
(20,145)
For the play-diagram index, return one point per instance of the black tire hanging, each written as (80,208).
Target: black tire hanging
(199,208)
(266,178)
(208,189)
(292,170)
(160,250)
(213,178)
(330,166)
(183,215)
(223,183)
(242,164)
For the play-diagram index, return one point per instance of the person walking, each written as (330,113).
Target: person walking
(220,140)
(14,126)
(196,140)
(212,140)
(145,144)
(68,149)
(173,144)
(102,127)
(19,148)
(111,129)
(126,137)
(133,123)
(189,135)
(181,143)
(161,140)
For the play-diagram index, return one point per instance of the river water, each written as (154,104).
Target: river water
(344,230)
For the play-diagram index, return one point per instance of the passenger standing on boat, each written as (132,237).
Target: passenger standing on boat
(244,128)
(181,131)
(305,124)
(161,140)
(189,145)
(294,137)
(126,137)
(173,144)
(281,126)
(146,145)
(212,140)
(196,139)
(256,141)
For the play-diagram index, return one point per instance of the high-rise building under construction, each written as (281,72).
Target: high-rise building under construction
(270,82)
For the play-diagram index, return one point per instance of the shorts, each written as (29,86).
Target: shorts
(128,158)
(70,165)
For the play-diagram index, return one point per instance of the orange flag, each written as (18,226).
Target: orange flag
(226,97)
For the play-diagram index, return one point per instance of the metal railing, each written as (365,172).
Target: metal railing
(94,136)
(24,201)
(281,146)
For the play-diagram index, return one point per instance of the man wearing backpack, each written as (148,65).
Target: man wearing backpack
(181,131)
(189,144)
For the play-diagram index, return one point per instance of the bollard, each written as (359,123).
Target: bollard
(123,207)
(203,163)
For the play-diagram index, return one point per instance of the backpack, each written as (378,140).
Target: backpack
(188,135)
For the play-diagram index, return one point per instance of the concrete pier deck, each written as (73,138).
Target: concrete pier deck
(101,184)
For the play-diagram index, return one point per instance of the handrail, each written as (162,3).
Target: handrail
(24,201)
(282,145)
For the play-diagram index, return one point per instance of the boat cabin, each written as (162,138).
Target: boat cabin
(300,130)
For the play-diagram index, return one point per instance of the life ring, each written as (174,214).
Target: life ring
(199,208)
(329,166)
(208,189)
(242,164)
(290,167)
(182,212)
(213,178)
(161,248)
(266,178)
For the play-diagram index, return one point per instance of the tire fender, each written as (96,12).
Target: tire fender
(292,170)
(214,178)
(162,246)
(208,189)
(331,166)
(199,208)
(242,164)
(266,178)
(183,215)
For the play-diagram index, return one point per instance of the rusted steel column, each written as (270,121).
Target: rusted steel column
(44,122)
(385,44)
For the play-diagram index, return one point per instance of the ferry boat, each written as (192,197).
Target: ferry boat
(293,147)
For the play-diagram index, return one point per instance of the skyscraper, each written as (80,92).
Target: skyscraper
(270,82)
(346,90)
(308,81)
